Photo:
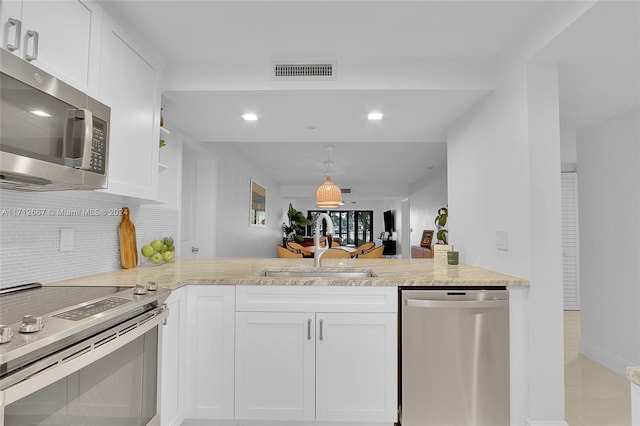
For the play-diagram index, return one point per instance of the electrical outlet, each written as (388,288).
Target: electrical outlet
(66,239)
(502,239)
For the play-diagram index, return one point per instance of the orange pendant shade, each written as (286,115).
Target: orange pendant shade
(328,195)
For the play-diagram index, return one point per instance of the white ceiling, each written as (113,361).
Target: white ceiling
(421,63)
(599,64)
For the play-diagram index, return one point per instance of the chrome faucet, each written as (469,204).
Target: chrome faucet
(319,251)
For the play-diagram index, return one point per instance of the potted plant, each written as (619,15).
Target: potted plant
(297,225)
(441,222)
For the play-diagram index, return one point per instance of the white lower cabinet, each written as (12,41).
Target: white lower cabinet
(279,355)
(275,365)
(173,359)
(196,362)
(316,365)
(210,352)
(356,362)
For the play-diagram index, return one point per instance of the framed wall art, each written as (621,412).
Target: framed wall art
(258,205)
(427,238)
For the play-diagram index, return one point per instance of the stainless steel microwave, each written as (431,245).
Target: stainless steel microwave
(52,136)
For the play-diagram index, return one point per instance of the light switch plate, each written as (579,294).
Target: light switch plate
(502,239)
(66,239)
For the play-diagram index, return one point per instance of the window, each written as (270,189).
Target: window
(353,227)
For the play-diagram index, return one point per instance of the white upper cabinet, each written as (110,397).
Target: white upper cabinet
(60,37)
(130,85)
(83,46)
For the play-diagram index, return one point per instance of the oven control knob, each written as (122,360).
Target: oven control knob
(140,289)
(31,324)
(152,286)
(5,334)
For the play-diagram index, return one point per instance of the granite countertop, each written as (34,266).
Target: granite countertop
(634,374)
(388,272)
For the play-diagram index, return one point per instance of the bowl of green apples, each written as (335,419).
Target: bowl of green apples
(158,251)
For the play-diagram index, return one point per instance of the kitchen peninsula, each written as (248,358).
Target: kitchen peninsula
(228,321)
(387,272)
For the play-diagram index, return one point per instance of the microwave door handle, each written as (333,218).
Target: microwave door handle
(87,139)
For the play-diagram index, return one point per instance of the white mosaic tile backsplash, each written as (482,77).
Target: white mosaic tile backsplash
(30,225)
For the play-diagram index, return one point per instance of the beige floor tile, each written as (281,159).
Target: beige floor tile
(594,395)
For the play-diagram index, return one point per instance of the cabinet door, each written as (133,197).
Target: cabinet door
(9,36)
(68,36)
(129,84)
(275,366)
(210,352)
(173,359)
(64,38)
(356,367)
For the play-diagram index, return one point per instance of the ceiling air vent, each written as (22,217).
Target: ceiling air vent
(304,71)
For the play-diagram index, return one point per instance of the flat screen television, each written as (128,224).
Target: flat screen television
(389,221)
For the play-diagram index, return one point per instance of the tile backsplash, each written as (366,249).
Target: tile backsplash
(31,223)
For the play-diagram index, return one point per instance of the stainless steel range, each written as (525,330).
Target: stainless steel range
(91,361)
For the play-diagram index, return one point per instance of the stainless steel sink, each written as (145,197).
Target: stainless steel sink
(317,273)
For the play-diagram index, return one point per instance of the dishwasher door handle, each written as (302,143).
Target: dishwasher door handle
(464,304)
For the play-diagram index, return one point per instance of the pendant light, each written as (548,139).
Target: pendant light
(328,195)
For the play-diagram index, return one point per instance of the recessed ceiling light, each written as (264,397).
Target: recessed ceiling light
(40,113)
(250,117)
(375,116)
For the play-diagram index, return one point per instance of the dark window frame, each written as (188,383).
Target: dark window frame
(353,227)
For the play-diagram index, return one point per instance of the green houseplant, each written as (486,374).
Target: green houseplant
(297,225)
(441,223)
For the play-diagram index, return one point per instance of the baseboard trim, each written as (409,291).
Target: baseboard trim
(606,358)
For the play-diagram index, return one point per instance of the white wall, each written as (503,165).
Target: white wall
(234,236)
(503,164)
(609,203)
(427,196)
(30,245)
(568,150)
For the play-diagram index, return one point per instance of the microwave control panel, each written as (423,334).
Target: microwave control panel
(98,148)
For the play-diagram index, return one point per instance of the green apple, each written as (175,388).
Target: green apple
(156,258)
(171,248)
(164,248)
(156,244)
(168,241)
(147,251)
(167,256)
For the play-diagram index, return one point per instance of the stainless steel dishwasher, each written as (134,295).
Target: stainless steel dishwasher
(454,357)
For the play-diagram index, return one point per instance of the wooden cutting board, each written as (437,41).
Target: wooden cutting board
(128,247)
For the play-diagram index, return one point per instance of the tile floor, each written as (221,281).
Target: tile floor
(594,395)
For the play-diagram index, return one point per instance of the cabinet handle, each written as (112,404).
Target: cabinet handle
(17,24)
(321,334)
(308,329)
(35,36)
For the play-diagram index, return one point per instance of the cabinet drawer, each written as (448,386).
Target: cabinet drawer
(316,299)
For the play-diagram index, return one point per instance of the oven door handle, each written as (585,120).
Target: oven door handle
(65,362)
